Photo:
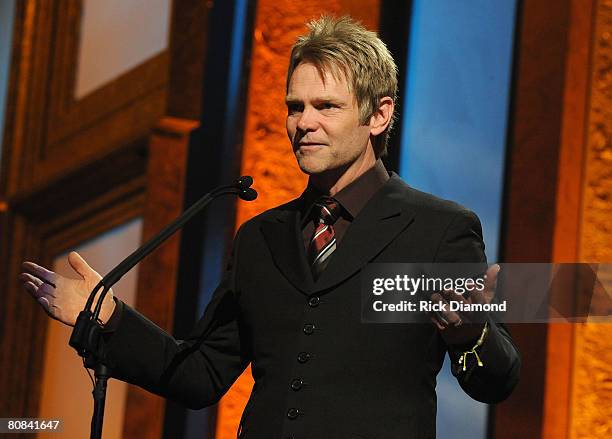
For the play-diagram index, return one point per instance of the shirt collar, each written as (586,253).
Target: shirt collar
(353,197)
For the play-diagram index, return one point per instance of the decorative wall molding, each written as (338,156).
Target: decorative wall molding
(591,392)
(531,191)
(48,133)
(41,236)
(168,152)
(77,168)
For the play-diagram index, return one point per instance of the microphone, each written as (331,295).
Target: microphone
(244,182)
(86,330)
(247,193)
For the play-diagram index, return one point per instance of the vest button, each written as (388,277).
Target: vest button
(303,357)
(313,302)
(296,384)
(309,328)
(293,413)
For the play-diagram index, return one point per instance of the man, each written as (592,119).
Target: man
(289,301)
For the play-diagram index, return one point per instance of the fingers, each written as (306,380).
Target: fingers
(444,318)
(79,265)
(436,322)
(42,292)
(491,277)
(36,286)
(28,278)
(47,276)
(465,314)
(464,323)
(46,305)
(31,288)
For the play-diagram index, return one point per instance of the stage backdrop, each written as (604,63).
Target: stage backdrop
(454,115)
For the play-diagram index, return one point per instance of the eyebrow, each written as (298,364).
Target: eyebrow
(293,99)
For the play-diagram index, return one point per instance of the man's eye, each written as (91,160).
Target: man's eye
(327,106)
(292,109)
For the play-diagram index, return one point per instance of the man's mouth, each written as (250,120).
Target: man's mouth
(310,146)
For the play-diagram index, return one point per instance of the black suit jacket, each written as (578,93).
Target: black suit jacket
(319,372)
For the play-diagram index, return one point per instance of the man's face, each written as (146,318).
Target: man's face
(323,123)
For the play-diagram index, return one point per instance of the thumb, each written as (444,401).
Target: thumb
(491,276)
(79,265)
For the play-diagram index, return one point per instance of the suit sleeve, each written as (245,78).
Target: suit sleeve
(196,371)
(494,381)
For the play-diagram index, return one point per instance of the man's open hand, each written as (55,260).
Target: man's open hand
(61,297)
(460,327)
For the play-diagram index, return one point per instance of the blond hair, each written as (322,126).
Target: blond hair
(342,45)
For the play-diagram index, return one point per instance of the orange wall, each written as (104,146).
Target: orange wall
(578,399)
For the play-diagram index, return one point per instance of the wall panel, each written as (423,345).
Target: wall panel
(49,132)
(66,388)
(578,394)
(530,199)
(41,235)
(115,36)
(76,168)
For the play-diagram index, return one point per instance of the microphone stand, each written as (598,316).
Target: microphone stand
(85,337)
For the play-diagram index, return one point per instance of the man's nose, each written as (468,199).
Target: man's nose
(308,120)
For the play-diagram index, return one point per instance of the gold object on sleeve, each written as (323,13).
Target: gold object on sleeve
(479,342)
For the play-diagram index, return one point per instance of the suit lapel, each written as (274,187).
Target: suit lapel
(284,238)
(380,221)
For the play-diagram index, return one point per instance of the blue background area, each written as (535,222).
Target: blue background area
(7,12)
(454,118)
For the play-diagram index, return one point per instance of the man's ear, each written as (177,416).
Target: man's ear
(381,119)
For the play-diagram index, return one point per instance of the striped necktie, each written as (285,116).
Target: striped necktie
(326,212)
